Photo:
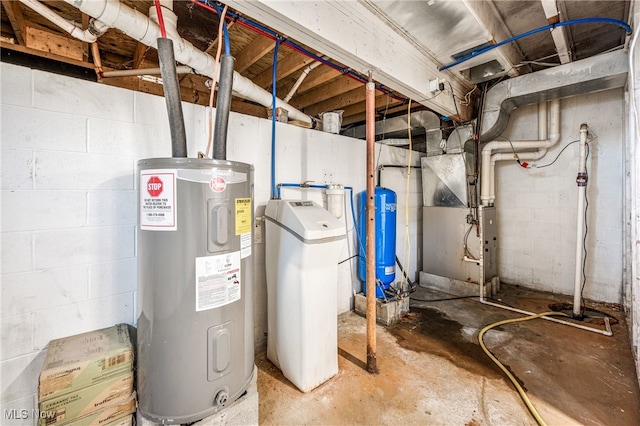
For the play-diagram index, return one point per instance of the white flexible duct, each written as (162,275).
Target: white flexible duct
(87,35)
(487,183)
(143,29)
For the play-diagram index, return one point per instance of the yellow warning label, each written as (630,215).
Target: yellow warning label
(243,216)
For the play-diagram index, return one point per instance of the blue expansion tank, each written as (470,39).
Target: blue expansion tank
(385,219)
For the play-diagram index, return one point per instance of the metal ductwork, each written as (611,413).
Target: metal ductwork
(602,72)
(396,127)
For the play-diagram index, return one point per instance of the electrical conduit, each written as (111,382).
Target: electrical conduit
(139,27)
(487,185)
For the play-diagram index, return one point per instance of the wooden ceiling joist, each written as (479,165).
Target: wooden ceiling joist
(287,66)
(253,52)
(16,19)
(336,103)
(317,77)
(322,93)
(354,113)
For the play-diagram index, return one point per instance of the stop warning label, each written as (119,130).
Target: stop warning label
(158,200)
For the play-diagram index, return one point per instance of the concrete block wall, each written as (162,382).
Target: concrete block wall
(69,203)
(537,207)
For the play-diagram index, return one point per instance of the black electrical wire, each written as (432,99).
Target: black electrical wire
(559,154)
(347,259)
(453,96)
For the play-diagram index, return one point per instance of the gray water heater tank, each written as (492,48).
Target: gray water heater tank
(195,287)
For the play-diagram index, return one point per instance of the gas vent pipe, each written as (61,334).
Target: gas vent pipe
(139,27)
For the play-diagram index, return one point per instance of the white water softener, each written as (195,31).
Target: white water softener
(304,242)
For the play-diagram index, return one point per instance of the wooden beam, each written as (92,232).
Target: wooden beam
(329,90)
(339,102)
(213,46)
(259,47)
(286,67)
(315,78)
(14,13)
(44,54)
(85,46)
(319,76)
(139,54)
(359,117)
(382,102)
(53,43)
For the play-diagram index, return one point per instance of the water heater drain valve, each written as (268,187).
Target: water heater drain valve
(222,397)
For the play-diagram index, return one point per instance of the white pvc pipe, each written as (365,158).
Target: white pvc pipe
(300,79)
(487,183)
(582,190)
(502,156)
(71,28)
(146,31)
(607,331)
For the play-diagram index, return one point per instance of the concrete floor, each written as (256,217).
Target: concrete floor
(433,371)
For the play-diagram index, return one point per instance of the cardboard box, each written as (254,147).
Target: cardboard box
(87,401)
(83,360)
(110,416)
(125,421)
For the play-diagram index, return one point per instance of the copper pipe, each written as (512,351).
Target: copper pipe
(370,227)
(95,52)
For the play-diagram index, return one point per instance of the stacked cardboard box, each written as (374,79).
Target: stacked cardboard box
(87,379)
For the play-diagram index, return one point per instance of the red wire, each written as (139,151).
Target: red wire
(163,30)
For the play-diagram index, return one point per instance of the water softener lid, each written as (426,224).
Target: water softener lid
(306,219)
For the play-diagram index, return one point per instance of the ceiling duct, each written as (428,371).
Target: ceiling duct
(602,72)
(397,127)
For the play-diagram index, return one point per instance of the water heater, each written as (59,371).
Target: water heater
(195,287)
(385,230)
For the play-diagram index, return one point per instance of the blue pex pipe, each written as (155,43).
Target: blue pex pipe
(273,121)
(622,24)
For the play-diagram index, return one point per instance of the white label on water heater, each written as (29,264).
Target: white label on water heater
(245,245)
(217,280)
(158,206)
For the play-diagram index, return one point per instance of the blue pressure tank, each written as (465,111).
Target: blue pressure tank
(385,218)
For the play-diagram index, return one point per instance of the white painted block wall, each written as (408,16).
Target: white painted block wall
(537,207)
(68,204)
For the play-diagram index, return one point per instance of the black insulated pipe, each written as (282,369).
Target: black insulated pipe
(223,107)
(172,97)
